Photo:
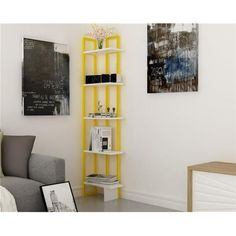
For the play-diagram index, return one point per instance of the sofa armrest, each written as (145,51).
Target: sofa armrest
(46,169)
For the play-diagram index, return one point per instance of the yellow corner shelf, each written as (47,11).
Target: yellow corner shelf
(89,47)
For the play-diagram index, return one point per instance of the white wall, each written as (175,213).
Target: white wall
(234,107)
(0,77)
(57,136)
(162,133)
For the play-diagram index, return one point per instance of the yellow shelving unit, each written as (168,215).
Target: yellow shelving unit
(91,56)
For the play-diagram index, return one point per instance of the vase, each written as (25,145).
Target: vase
(100,43)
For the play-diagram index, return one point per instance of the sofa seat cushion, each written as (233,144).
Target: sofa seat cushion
(26,192)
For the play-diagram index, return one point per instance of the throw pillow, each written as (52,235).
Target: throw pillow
(16,151)
(1,174)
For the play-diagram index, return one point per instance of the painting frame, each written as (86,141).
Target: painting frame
(51,197)
(172,57)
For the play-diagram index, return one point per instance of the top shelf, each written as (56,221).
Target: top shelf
(103,51)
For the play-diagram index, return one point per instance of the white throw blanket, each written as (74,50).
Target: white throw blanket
(7,201)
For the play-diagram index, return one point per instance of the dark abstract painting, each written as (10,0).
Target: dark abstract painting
(172,58)
(45,78)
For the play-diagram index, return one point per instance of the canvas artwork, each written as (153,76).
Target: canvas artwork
(59,197)
(45,78)
(172,58)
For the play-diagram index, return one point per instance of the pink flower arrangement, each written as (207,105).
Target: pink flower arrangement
(99,32)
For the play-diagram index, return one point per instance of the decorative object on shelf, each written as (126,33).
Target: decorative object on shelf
(102,115)
(100,43)
(115,78)
(58,197)
(100,34)
(92,115)
(99,107)
(172,58)
(104,78)
(113,112)
(45,81)
(89,79)
(93,79)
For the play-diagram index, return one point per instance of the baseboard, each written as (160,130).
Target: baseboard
(162,201)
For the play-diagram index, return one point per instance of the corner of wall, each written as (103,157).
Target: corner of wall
(0,76)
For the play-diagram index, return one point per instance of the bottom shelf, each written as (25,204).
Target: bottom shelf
(110,190)
(105,186)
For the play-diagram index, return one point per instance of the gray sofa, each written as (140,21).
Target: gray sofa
(41,170)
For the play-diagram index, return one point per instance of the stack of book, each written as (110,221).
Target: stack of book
(102,179)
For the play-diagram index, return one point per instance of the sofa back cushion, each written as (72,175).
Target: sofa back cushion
(16,151)
(1,174)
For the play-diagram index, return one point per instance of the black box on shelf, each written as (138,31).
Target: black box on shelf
(97,79)
(115,78)
(89,79)
(105,78)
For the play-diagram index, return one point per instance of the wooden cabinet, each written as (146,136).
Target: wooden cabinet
(212,187)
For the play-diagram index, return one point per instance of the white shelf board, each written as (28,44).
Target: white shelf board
(103,84)
(107,186)
(103,118)
(111,153)
(103,50)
